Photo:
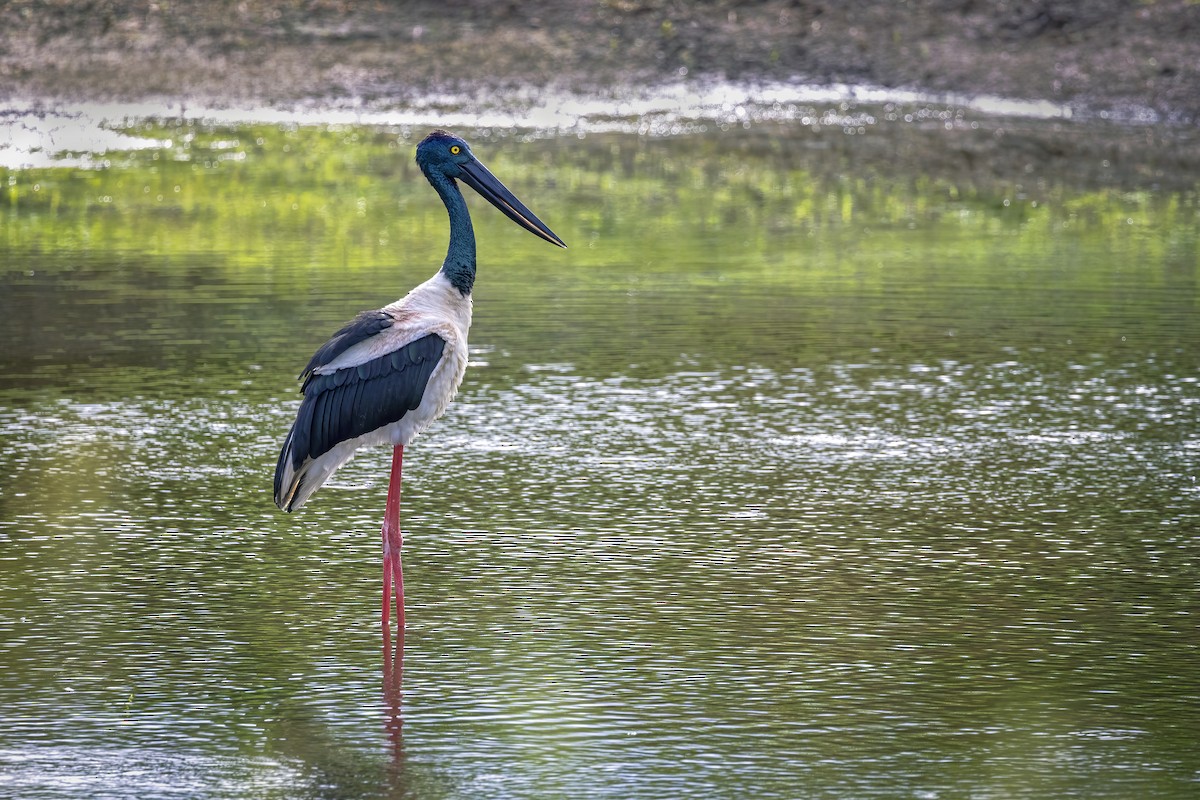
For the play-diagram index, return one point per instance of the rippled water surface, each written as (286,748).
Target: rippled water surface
(823,464)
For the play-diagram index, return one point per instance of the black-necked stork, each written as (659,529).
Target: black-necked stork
(388,374)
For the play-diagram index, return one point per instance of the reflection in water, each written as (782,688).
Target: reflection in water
(393,680)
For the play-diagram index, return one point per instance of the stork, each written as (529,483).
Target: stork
(389,373)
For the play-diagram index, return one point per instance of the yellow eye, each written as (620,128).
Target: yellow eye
(455,149)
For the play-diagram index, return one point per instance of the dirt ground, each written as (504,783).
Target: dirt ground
(1131,58)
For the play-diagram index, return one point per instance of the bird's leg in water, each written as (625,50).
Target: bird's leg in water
(393,571)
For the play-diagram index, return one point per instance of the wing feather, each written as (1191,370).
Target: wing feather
(350,402)
(359,329)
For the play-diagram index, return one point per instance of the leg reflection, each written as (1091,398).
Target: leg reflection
(393,672)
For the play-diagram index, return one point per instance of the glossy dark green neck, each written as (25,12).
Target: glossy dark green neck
(459,266)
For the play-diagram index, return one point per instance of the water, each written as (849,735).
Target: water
(823,464)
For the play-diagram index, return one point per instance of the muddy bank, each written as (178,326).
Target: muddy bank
(1131,58)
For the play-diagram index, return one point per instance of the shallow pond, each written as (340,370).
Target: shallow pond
(847,460)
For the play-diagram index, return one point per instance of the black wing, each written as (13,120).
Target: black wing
(356,400)
(359,329)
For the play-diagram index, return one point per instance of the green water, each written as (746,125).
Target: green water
(822,464)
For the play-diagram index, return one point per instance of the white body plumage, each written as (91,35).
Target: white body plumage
(433,307)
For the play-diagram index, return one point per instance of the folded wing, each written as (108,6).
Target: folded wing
(344,404)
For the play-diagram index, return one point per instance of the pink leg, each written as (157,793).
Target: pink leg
(393,572)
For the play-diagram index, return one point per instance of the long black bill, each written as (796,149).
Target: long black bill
(479,178)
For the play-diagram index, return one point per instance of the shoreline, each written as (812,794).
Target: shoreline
(1113,60)
(1011,145)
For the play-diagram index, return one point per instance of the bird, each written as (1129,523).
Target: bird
(386,375)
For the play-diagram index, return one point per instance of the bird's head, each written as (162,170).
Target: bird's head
(442,153)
